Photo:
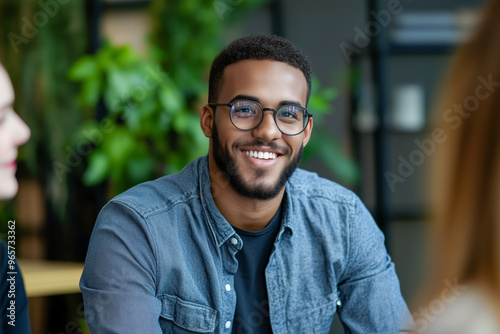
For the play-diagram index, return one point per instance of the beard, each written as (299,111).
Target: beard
(252,189)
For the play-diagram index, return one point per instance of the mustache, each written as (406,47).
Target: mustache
(262,143)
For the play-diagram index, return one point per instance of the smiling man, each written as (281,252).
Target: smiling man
(241,241)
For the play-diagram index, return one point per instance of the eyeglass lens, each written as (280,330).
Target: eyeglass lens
(290,119)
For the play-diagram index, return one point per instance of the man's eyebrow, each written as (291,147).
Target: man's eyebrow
(294,103)
(244,97)
(253,98)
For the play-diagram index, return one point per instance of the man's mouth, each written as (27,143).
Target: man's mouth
(262,155)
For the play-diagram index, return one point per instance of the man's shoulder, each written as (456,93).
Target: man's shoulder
(162,193)
(310,184)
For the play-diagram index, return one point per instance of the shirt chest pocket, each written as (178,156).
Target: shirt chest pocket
(186,317)
(317,320)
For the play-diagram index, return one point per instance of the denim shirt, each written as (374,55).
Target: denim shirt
(162,259)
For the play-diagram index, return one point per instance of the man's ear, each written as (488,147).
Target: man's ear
(207,119)
(307,132)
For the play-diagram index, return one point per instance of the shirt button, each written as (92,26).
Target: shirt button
(234,241)
(228,324)
(228,287)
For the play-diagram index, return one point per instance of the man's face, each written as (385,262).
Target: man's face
(272,84)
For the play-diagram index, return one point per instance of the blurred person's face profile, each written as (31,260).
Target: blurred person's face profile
(13,133)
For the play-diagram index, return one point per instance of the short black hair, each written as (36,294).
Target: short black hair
(261,47)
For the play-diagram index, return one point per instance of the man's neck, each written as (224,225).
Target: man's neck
(240,211)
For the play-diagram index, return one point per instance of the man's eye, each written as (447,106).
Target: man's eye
(244,112)
(289,114)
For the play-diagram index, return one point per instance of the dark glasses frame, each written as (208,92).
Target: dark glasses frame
(275,112)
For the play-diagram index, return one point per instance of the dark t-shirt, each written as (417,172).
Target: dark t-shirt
(252,307)
(13,303)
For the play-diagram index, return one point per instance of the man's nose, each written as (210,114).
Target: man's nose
(267,129)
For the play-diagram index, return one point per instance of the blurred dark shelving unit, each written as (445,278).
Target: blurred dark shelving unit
(381,55)
(421,50)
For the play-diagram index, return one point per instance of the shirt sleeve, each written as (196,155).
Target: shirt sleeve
(119,278)
(371,300)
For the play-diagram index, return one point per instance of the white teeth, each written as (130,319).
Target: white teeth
(261,155)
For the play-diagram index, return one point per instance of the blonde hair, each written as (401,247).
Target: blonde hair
(466,176)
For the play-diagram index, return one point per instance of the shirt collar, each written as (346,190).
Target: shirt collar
(220,227)
(288,209)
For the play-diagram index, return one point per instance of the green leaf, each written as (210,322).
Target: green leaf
(317,104)
(105,56)
(133,119)
(97,170)
(84,68)
(320,99)
(125,55)
(181,122)
(120,83)
(170,98)
(329,94)
(119,144)
(91,92)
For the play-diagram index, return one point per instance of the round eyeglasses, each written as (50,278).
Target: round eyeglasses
(246,115)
